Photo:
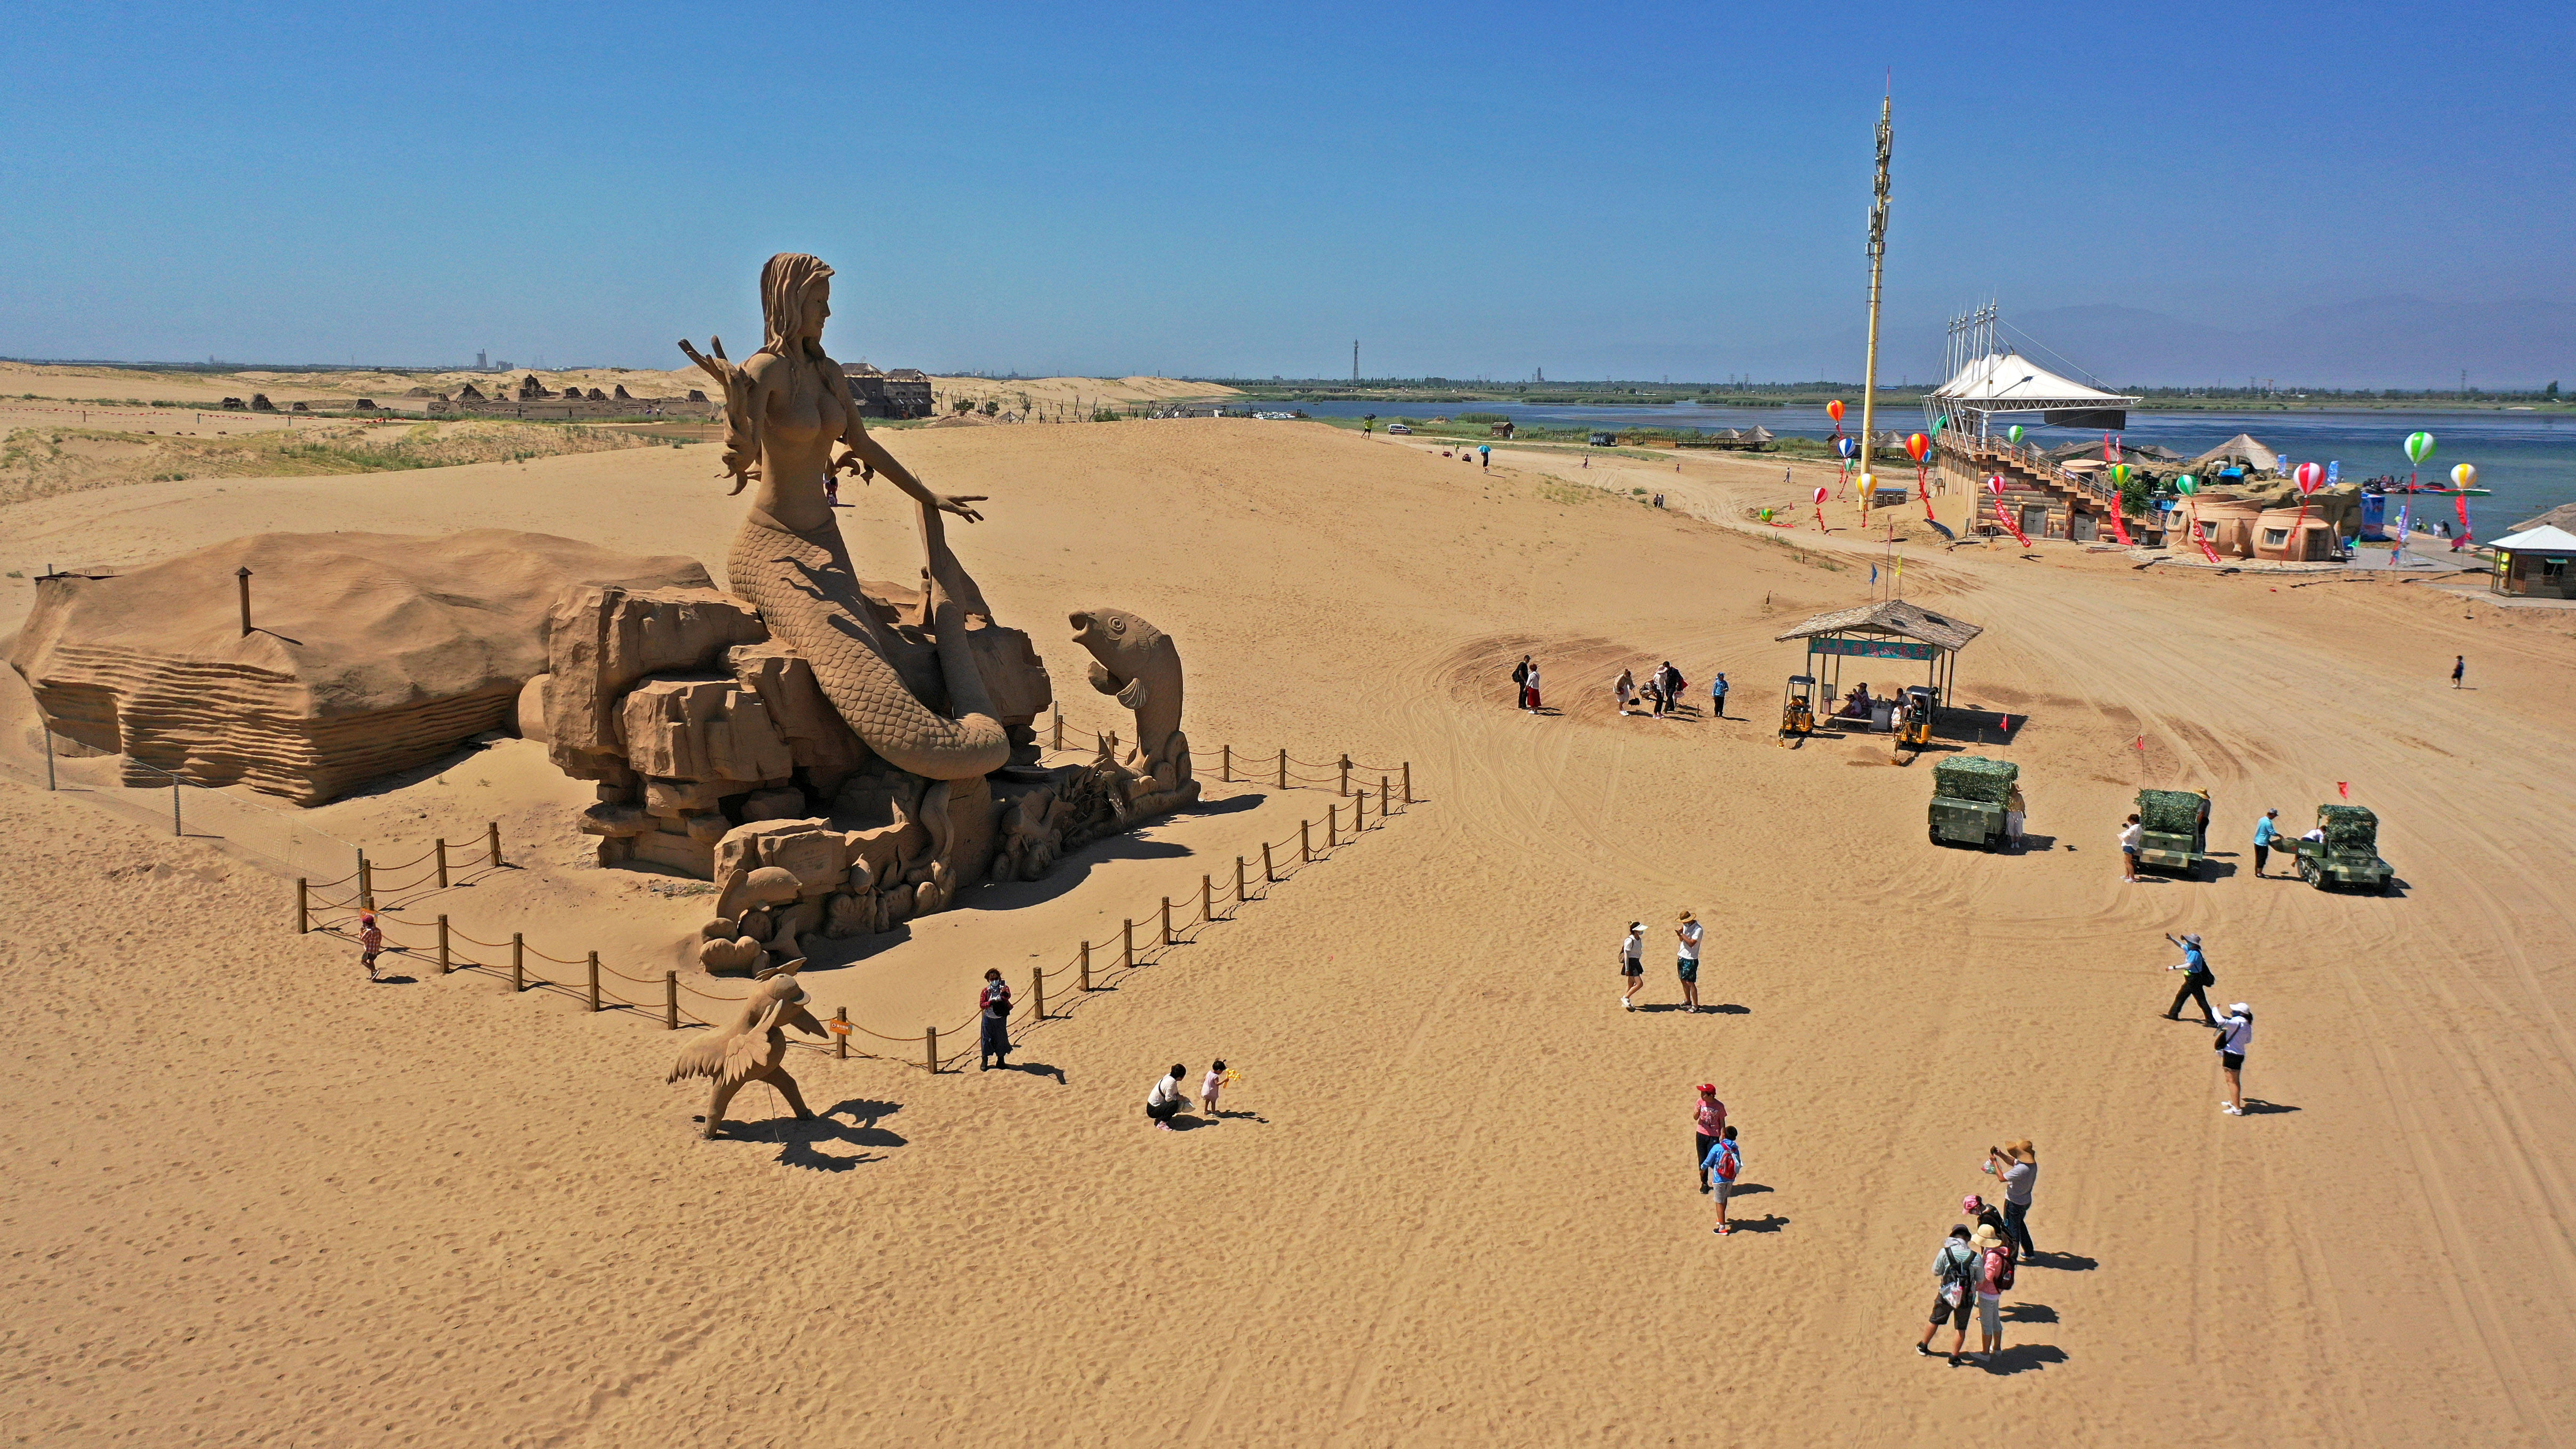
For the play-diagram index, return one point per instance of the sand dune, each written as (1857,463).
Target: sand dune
(254,1198)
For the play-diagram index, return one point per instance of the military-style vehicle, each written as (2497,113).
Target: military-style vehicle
(1798,707)
(2348,856)
(1969,796)
(2176,826)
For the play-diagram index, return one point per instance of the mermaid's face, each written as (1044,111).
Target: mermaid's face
(818,308)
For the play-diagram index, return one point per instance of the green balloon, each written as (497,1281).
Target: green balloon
(2119,472)
(2419,446)
(2186,485)
(2013,432)
(1939,423)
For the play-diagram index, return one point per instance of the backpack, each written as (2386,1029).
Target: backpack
(1730,1160)
(1957,1268)
(2004,1275)
(1520,672)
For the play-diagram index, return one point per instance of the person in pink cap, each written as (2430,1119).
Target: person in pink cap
(1708,1123)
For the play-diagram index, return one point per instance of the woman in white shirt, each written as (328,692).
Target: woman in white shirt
(1167,1097)
(2235,1035)
(2132,836)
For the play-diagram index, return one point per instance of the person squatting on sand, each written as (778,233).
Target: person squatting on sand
(2195,987)
(1167,1097)
(1708,1122)
(1688,933)
(1954,1268)
(1722,1163)
(2019,1173)
(1632,965)
(2235,1037)
(2266,831)
(994,1001)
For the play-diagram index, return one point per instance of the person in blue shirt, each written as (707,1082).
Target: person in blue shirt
(1717,696)
(1484,455)
(2265,833)
(2195,987)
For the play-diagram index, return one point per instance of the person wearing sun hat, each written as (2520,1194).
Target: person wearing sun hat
(1994,1260)
(2195,987)
(1689,933)
(2235,1035)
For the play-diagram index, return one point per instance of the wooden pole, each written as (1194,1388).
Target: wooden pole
(1086,966)
(1408,782)
(1225,768)
(670,1001)
(243,575)
(1127,934)
(1269,873)
(594,981)
(1283,767)
(930,1047)
(442,865)
(1346,774)
(1059,727)
(1167,920)
(366,883)
(174,807)
(518,963)
(1037,990)
(303,906)
(1305,842)
(1207,899)
(841,1038)
(443,967)
(1382,796)
(1332,827)
(1238,880)
(492,833)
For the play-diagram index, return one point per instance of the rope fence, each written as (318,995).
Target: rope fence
(1147,934)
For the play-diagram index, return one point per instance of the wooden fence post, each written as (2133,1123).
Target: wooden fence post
(1238,880)
(1332,827)
(1382,795)
(1037,989)
(1346,774)
(1086,966)
(1127,934)
(366,883)
(670,1001)
(841,1038)
(1269,873)
(303,906)
(492,836)
(930,1047)
(518,963)
(1207,899)
(1283,767)
(1408,782)
(1167,920)
(1059,727)
(1305,842)
(594,981)
(443,967)
(442,865)
(1226,768)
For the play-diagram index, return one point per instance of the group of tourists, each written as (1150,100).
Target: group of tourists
(1659,695)
(2235,1029)
(1977,1263)
(1687,933)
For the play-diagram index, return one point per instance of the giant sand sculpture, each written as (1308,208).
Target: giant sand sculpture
(753,1048)
(367,652)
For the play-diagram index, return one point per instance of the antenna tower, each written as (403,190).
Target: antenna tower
(1877,263)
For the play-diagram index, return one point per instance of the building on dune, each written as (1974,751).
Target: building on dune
(902,393)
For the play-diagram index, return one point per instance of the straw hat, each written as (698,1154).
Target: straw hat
(1686,915)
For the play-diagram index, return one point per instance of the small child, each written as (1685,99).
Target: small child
(1214,1083)
(370,941)
(1723,1162)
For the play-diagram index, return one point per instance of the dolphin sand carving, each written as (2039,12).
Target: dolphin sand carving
(785,409)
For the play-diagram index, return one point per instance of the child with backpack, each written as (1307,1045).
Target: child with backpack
(1994,1278)
(1723,1162)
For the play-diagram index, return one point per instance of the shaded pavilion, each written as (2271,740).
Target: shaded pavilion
(1886,629)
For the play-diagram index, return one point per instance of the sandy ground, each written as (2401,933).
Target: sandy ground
(253,1198)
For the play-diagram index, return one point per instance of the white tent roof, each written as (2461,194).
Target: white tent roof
(2538,540)
(2010,382)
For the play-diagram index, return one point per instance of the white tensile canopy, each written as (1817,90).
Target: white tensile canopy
(2007,382)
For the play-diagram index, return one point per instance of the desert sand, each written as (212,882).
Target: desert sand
(251,1197)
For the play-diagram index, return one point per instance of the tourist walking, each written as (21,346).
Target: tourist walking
(1632,965)
(1167,1097)
(1688,933)
(1953,1269)
(994,1001)
(1520,682)
(1708,1123)
(2265,832)
(1720,1166)
(1717,697)
(1484,455)
(2017,1164)
(1529,691)
(2459,669)
(371,940)
(2194,986)
(2235,1036)
(2132,836)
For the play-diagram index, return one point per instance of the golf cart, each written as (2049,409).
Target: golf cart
(1798,707)
(2176,827)
(1913,718)
(1969,796)
(2349,854)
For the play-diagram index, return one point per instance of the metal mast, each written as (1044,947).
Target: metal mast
(1877,262)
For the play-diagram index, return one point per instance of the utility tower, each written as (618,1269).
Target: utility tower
(1355,359)
(1877,261)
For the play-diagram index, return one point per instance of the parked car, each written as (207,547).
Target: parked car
(1398,428)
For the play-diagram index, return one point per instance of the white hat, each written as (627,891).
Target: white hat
(2240,1009)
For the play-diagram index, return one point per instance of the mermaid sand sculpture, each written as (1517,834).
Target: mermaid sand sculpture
(785,410)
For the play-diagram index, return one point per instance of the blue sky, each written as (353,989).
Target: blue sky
(2343,195)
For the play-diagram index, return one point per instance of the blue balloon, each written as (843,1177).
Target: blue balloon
(1846,447)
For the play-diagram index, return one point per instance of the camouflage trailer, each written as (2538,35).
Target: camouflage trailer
(1969,793)
(2176,837)
(2349,855)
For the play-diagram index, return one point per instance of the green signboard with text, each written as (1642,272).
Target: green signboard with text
(1870,648)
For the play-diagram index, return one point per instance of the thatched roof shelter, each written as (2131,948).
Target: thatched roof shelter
(2563,516)
(1891,616)
(2243,449)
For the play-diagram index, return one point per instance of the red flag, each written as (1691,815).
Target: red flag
(2141,745)
(2343,788)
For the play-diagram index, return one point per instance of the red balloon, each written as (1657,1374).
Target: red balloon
(1916,445)
(1834,410)
(1820,495)
(2310,477)
(1995,484)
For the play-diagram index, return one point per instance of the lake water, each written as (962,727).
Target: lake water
(2529,459)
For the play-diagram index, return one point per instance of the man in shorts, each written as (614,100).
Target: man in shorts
(1688,933)
(1954,1270)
